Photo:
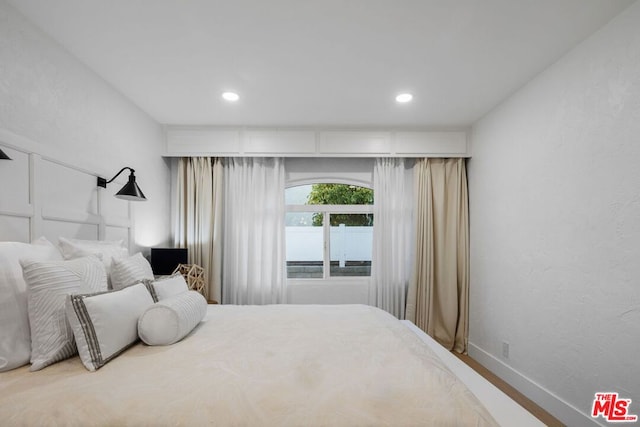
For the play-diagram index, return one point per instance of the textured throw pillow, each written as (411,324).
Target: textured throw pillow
(106,250)
(48,284)
(106,324)
(15,336)
(167,287)
(128,271)
(168,321)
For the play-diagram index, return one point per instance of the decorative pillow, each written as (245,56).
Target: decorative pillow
(168,321)
(106,250)
(128,271)
(48,284)
(167,287)
(15,336)
(106,324)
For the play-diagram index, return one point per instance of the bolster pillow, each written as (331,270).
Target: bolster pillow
(168,321)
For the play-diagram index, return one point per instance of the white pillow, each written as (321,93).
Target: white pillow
(48,284)
(15,336)
(106,324)
(168,321)
(106,250)
(168,287)
(128,271)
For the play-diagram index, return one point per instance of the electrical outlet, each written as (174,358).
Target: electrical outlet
(505,349)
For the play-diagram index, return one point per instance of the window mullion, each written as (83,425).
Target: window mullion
(326,228)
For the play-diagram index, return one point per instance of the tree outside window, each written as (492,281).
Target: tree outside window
(341,194)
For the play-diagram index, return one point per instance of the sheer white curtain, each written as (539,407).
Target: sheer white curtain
(254,255)
(198,216)
(392,234)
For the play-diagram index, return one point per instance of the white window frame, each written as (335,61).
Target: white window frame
(327,210)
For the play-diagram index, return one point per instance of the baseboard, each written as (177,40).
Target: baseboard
(551,403)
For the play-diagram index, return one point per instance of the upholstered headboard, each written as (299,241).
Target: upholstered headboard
(41,195)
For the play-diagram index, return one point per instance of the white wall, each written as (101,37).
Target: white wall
(555,227)
(48,97)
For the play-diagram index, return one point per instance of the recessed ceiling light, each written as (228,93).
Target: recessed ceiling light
(230,96)
(404,97)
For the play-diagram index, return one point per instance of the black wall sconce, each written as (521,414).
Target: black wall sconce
(130,191)
(3,156)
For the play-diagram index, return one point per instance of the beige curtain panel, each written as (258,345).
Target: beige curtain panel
(437,300)
(198,221)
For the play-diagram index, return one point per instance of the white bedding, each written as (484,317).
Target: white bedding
(256,366)
(503,409)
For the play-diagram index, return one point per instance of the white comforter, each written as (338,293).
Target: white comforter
(256,366)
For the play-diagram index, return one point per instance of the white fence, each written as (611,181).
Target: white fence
(346,243)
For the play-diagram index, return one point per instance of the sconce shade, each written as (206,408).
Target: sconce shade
(130,191)
(3,156)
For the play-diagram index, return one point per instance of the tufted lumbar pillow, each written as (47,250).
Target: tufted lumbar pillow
(168,321)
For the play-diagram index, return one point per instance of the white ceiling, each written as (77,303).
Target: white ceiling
(319,63)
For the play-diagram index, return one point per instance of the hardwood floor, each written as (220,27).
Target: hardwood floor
(529,405)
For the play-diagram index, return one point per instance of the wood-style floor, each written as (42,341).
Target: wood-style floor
(529,405)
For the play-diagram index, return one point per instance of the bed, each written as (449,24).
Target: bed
(280,365)
(74,313)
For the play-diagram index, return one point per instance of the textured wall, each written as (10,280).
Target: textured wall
(555,222)
(51,98)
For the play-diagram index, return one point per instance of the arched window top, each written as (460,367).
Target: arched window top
(328,193)
(350,171)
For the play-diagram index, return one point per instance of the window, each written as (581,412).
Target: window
(329,231)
